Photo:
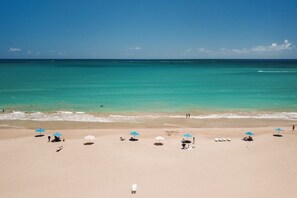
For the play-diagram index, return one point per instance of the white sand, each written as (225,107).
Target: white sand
(31,167)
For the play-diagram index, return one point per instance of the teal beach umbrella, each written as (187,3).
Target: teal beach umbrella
(249,133)
(279,129)
(187,135)
(134,133)
(40,130)
(57,134)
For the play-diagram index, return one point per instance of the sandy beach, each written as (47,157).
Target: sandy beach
(31,167)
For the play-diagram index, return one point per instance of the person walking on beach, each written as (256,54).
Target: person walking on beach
(188,115)
(49,138)
(293,128)
(193,140)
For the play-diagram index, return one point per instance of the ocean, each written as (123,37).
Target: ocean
(80,90)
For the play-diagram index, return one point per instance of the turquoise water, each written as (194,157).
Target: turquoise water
(148,85)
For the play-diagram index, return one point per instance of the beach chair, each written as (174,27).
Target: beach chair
(220,140)
(228,139)
(216,139)
(133,188)
(224,139)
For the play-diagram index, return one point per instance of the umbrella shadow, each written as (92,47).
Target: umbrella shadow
(39,135)
(88,143)
(158,144)
(56,140)
(133,139)
(277,135)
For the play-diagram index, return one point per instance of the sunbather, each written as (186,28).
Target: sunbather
(122,139)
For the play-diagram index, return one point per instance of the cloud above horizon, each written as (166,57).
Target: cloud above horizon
(274,47)
(286,45)
(203,50)
(13,49)
(135,48)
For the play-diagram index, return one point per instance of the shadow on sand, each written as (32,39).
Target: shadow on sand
(88,143)
(158,144)
(133,139)
(39,135)
(277,135)
(59,149)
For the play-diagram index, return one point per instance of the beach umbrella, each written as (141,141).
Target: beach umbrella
(249,133)
(187,135)
(134,133)
(159,138)
(279,129)
(90,138)
(40,130)
(57,134)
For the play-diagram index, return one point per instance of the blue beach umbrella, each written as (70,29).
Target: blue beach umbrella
(187,135)
(249,133)
(57,134)
(40,130)
(279,129)
(134,133)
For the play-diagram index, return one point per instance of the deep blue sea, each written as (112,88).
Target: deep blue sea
(148,86)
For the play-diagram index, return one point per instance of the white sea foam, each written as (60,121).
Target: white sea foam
(274,115)
(281,71)
(58,116)
(84,117)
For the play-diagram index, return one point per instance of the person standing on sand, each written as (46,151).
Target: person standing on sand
(293,128)
(193,140)
(49,138)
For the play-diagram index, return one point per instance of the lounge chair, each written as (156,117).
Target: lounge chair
(216,139)
(224,139)
(228,139)
(133,188)
(248,138)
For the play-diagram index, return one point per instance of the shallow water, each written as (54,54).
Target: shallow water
(151,86)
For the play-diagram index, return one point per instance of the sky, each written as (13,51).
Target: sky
(151,29)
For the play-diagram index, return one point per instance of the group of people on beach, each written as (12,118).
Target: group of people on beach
(188,115)
(56,139)
(187,142)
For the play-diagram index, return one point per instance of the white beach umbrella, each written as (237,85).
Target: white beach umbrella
(90,138)
(159,138)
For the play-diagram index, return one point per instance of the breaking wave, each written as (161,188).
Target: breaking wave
(85,117)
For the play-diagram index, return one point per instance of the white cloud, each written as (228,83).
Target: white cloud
(203,50)
(187,51)
(135,48)
(274,47)
(286,45)
(13,49)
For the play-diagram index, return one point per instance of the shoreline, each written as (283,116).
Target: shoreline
(165,123)
(139,117)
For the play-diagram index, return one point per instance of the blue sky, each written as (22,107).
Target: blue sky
(148,29)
